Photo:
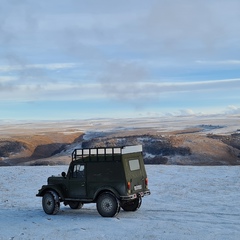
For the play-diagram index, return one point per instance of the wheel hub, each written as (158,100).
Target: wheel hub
(107,205)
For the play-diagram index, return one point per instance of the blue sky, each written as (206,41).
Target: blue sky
(96,59)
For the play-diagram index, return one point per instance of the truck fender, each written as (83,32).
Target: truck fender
(106,189)
(46,188)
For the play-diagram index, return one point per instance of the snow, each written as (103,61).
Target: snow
(149,155)
(186,202)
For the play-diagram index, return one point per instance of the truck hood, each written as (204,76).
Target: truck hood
(55,179)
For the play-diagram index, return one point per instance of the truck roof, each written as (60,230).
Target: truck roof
(104,151)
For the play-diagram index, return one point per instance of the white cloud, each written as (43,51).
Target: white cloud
(186,112)
(50,66)
(183,27)
(129,84)
(126,87)
(7,79)
(49,91)
(219,62)
(232,110)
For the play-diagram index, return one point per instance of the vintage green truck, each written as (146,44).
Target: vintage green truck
(111,177)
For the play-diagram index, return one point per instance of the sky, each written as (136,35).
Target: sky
(77,59)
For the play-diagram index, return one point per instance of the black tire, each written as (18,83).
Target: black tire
(75,205)
(108,205)
(132,205)
(50,203)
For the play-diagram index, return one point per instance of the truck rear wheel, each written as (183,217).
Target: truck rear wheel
(132,205)
(50,203)
(108,205)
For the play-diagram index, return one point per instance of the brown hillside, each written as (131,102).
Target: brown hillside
(180,141)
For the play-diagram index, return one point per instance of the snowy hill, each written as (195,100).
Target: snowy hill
(187,202)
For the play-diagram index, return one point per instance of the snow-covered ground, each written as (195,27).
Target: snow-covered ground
(186,203)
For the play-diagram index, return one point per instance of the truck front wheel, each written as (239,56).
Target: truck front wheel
(108,205)
(50,203)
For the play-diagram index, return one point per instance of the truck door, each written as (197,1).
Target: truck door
(136,174)
(77,181)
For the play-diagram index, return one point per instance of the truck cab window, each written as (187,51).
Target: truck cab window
(78,171)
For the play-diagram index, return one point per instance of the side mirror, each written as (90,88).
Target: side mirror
(63,174)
